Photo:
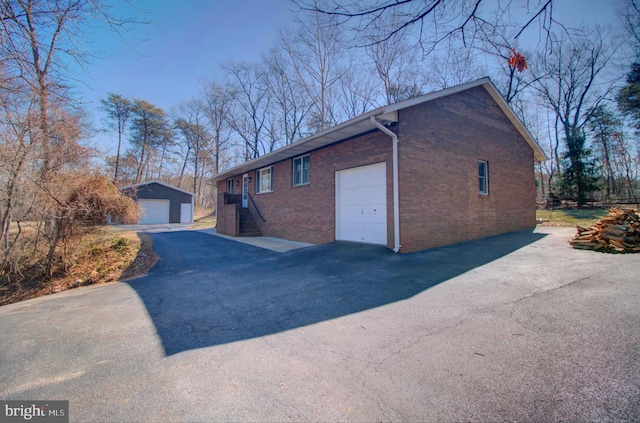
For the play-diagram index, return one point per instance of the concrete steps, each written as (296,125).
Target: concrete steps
(248,225)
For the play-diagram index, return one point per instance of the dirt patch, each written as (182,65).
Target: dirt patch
(99,257)
(204,220)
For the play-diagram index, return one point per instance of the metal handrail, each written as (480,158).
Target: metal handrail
(256,207)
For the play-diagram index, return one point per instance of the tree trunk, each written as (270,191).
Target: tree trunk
(57,223)
(115,176)
(140,164)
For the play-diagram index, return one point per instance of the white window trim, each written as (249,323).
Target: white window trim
(259,180)
(293,170)
(230,185)
(485,177)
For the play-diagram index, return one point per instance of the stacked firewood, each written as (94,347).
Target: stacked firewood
(618,232)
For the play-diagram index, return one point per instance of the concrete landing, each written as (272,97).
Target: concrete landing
(274,244)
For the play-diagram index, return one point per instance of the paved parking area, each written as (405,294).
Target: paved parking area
(514,327)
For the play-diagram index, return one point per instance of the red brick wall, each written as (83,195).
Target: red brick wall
(307,213)
(228,217)
(440,145)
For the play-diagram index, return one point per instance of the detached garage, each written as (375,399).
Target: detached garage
(161,203)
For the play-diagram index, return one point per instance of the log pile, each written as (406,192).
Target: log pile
(618,232)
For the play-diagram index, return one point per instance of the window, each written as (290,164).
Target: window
(301,170)
(483,177)
(230,186)
(264,181)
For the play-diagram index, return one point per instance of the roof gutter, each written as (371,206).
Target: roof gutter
(396,205)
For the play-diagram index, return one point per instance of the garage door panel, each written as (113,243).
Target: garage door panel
(153,211)
(373,195)
(361,204)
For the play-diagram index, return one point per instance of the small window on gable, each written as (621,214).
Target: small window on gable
(483,177)
(264,180)
(301,166)
(230,186)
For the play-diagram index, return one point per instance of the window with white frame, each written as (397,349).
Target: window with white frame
(483,177)
(230,186)
(264,180)
(301,166)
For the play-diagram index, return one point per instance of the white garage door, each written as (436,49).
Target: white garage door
(361,204)
(153,211)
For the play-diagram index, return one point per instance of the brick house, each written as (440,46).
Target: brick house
(445,167)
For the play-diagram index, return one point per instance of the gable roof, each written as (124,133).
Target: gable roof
(155,181)
(386,115)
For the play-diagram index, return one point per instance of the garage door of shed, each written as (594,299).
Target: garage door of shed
(361,204)
(153,211)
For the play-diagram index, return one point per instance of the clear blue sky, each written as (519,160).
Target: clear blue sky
(188,39)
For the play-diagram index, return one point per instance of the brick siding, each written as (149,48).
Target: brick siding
(306,213)
(440,144)
(227,218)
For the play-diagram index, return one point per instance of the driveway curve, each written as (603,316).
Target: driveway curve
(513,327)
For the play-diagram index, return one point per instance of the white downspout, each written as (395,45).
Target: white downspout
(396,205)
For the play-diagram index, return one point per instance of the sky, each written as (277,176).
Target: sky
(187,40)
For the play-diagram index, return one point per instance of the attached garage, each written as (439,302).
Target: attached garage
(441,168)
(161,203)
(361,204)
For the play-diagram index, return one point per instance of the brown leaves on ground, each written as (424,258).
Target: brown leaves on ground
(96,258)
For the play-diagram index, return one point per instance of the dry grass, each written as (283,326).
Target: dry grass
(204,219)
(563,217)
(98,257)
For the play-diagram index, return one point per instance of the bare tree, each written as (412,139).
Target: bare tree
(498,40)
(394,60)
(432,21)
(191,123)
(629,15)
(572,83)
(251,104)
(291,104)
(357,94)
(39,40)
(37,34)
(604,126)
(16,154)
(315,51)
(217,103)
(453,65)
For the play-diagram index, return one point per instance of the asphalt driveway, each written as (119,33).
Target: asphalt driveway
(514,327)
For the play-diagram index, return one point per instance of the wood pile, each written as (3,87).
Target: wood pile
(618,232)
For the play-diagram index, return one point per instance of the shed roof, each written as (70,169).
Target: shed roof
(386,115)
(155,181)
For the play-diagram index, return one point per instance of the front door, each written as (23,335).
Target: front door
(245,190)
